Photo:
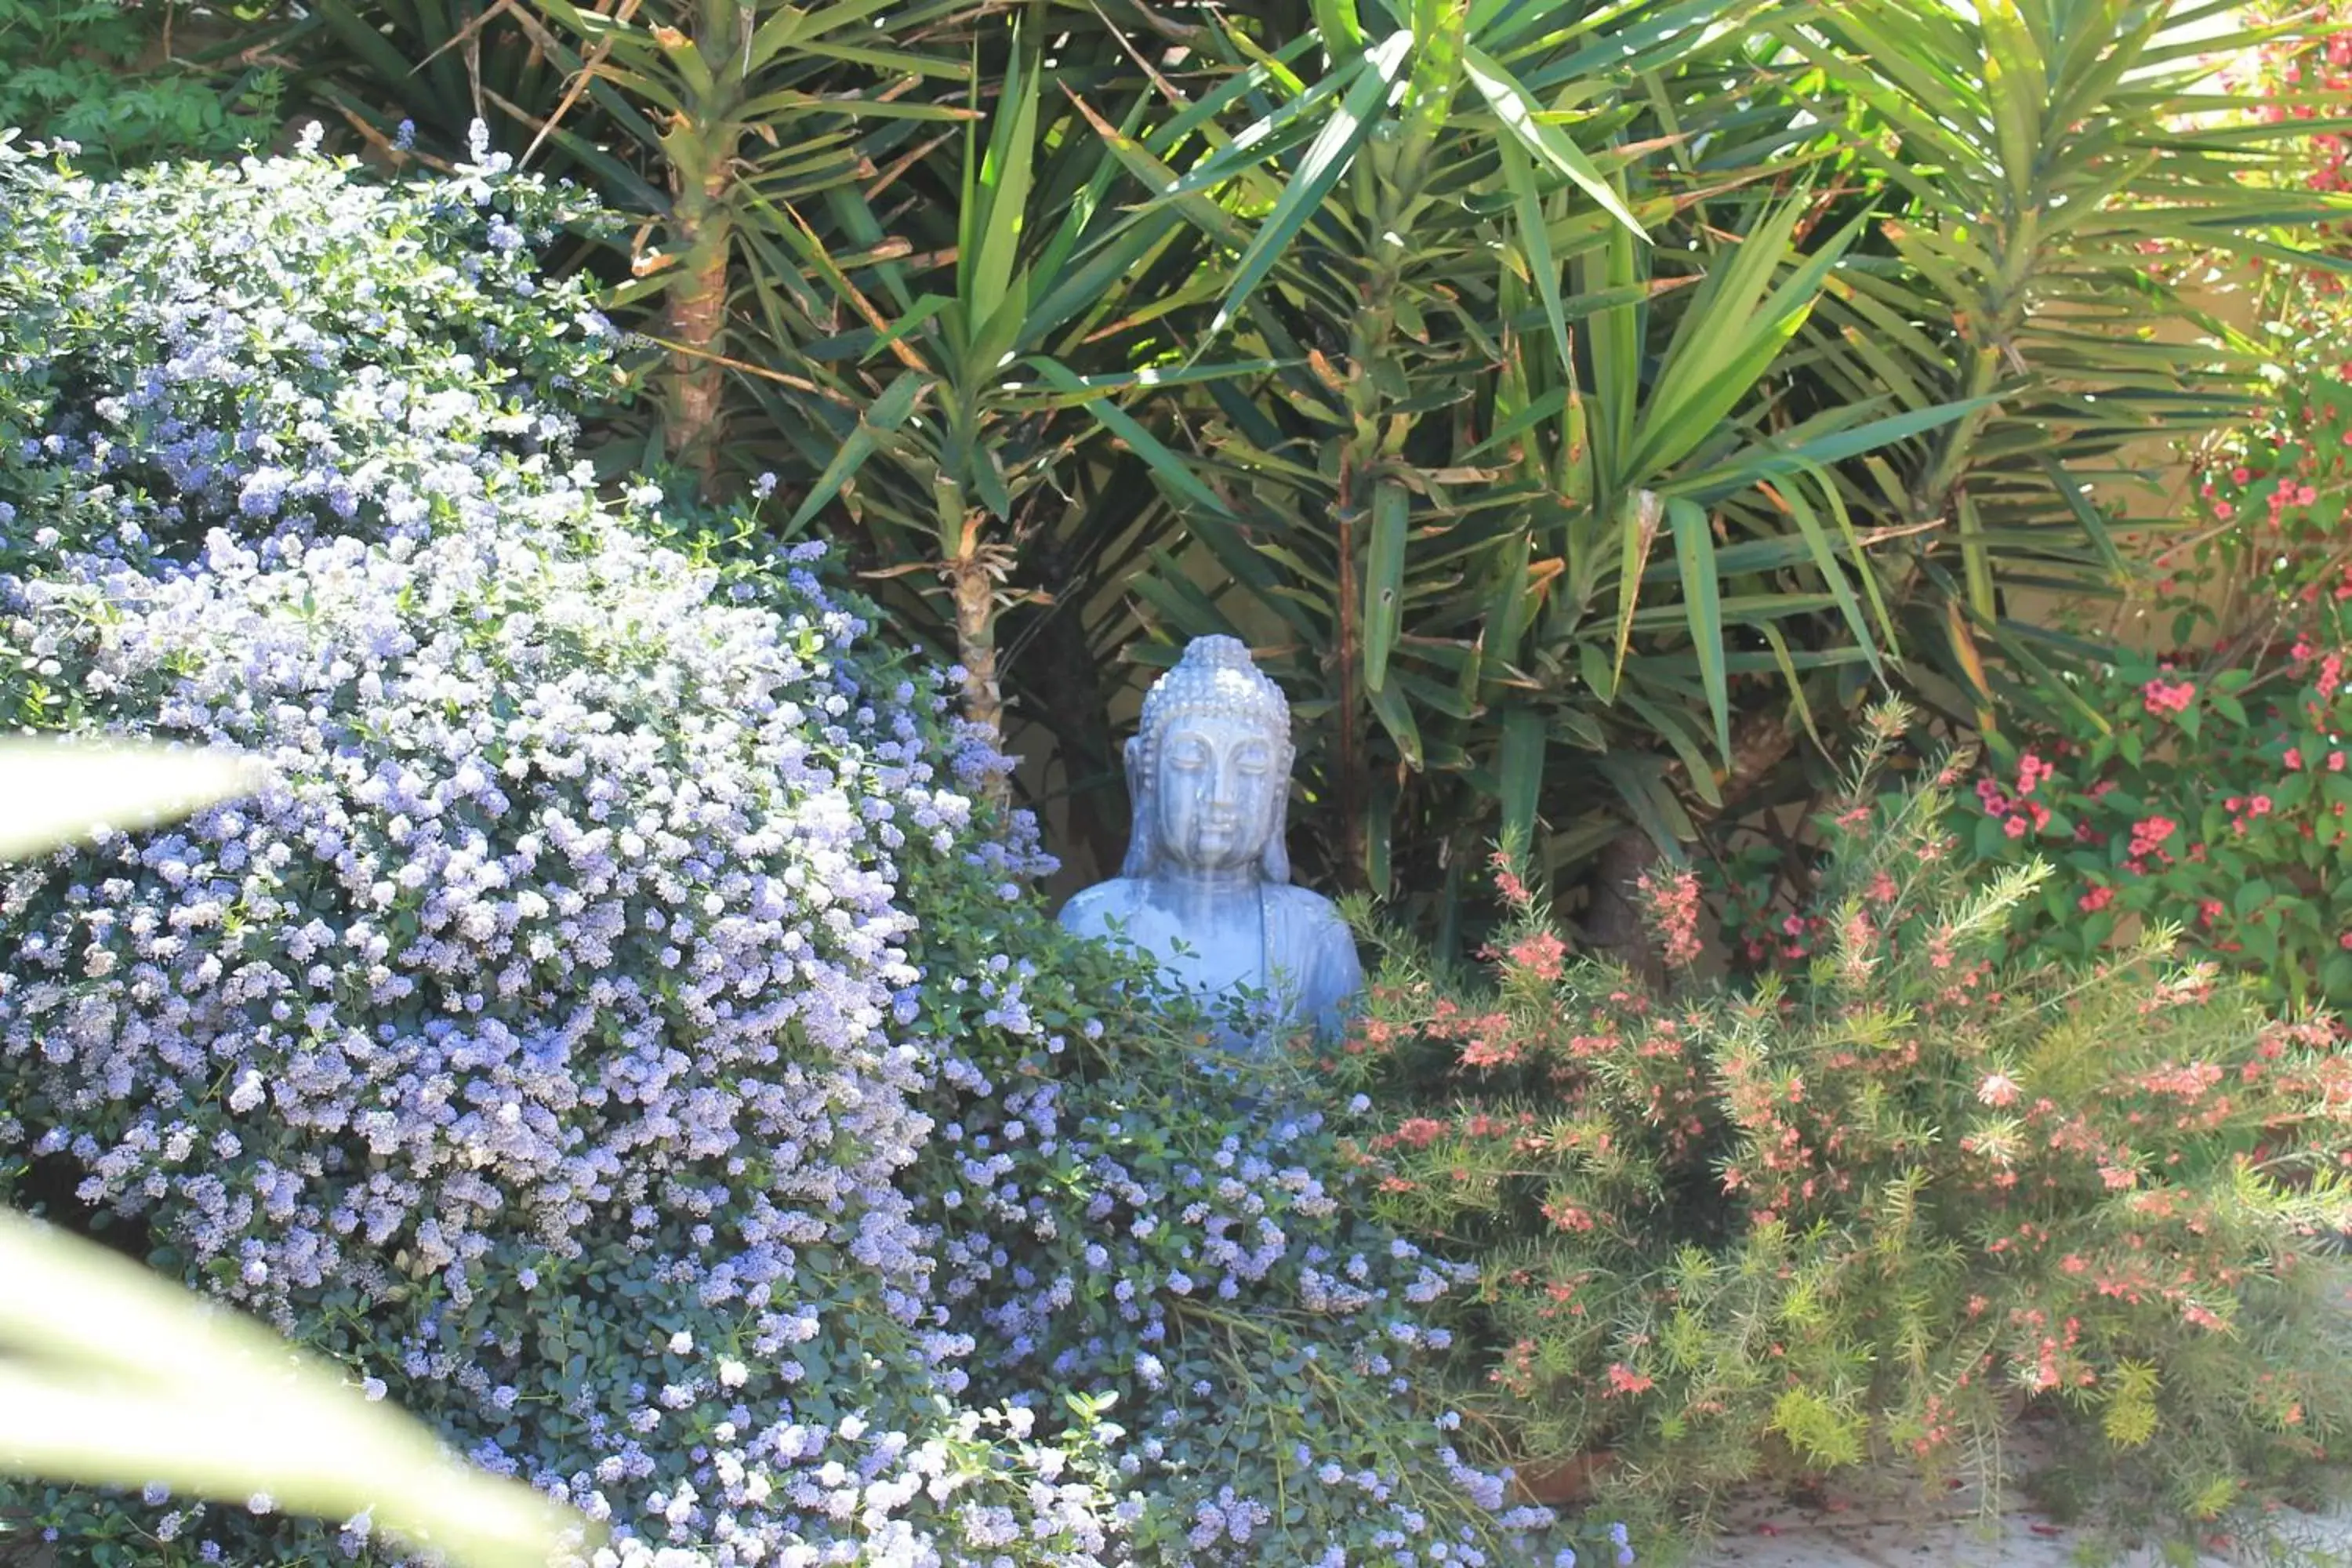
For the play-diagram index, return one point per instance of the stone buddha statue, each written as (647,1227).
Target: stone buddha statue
(1205,888)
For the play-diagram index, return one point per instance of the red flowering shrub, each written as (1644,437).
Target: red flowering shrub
(2219,803)
(1877,1207)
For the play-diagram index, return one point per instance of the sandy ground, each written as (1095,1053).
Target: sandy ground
(1916,1530)
(1766,1536)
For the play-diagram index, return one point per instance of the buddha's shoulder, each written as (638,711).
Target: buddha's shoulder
(1303,907)
(1089,908)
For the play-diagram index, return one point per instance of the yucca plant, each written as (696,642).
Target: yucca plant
(961,401)
(1648,383)
(1496,493)
(752,115)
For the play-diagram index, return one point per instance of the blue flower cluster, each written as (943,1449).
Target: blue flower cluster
(1130,1232)
(615,1032)
(330,362)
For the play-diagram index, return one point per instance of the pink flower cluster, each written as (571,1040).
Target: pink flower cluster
(1672,903)
(2019,815)
(2169,697)
(2149,833)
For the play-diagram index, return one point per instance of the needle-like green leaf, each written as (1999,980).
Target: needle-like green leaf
(1370,81)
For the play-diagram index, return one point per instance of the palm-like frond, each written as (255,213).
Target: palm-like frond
(1575,407)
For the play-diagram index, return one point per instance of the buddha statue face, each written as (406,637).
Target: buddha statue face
(1210,772)
(1216,795)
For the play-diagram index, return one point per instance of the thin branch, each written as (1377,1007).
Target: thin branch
(796,383)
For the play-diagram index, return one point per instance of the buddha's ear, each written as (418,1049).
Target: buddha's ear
(1274,863)
(1139,859)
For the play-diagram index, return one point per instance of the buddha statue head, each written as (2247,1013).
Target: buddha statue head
(1208,770)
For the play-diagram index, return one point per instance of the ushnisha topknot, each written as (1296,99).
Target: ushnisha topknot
(1216,676)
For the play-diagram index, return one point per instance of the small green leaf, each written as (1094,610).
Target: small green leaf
(1521,116)
(1325,159)
(1396,716)
(1535,239)
(1521,769)
(1171,469)
(890,411)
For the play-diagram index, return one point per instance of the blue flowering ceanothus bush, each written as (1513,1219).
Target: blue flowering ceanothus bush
(267,348)
(615,1032)
(1263,1343)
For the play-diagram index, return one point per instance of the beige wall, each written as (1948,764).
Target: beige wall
(2164,493)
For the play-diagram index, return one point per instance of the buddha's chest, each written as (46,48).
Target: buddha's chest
(1211,952)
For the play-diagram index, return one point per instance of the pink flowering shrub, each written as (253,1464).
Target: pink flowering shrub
(1878,1206)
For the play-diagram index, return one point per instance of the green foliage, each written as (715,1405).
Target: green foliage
(1879,1208)
(1573,410)
(2215,804)
(113,1376)
(87,72)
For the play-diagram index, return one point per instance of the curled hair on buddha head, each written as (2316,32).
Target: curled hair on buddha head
(1214,677)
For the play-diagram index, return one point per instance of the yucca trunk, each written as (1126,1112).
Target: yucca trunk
(1400,170)
(975,624)
(695,320)
(974,574)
